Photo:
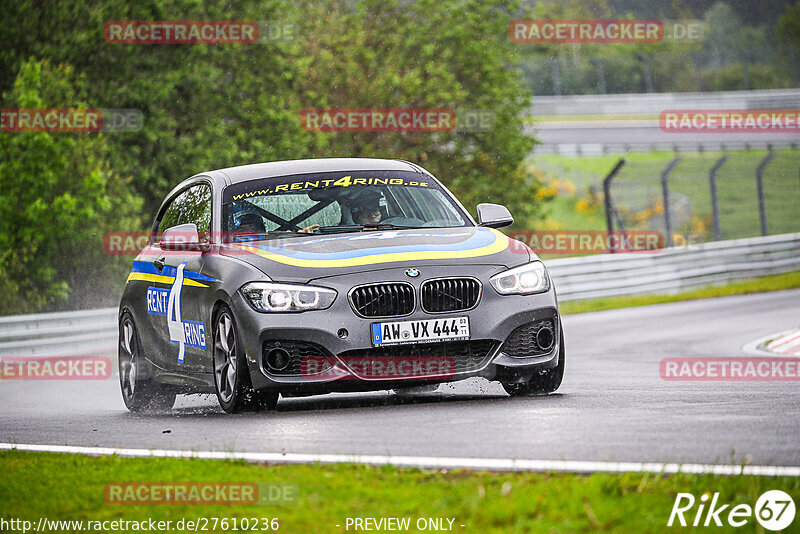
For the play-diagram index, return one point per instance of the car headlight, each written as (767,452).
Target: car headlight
(524,280)
(269,297)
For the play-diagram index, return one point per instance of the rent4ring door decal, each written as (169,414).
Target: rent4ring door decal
(167,303)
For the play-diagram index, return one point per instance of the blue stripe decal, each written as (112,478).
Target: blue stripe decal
(481,238)
(148,268)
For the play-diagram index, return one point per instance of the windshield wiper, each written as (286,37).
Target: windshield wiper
(255,236)
(285,232)
(342,228)
(388,226)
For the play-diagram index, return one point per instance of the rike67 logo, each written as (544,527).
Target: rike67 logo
(774,511)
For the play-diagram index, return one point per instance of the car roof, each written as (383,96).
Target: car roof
(274,169)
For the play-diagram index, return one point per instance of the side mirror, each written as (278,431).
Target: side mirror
(181,237)
(494,216)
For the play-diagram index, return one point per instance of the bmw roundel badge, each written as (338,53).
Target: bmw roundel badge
(413,273)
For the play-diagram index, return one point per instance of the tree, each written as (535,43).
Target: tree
(212,106)
(426,54)
(204,106)
(58,197)
(789,26)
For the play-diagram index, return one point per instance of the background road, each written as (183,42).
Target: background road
(637,132)
(593,124)
(612,406)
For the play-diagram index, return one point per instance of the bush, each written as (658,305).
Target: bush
(58,197)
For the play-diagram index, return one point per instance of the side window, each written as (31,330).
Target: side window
(171,215)
(196,208)
(191,206)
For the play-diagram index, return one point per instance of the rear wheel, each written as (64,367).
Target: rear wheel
(544,382)
(231,373)
(138,392)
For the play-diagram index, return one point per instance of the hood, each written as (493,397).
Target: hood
(315,256)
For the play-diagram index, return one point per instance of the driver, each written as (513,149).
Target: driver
(365,209)
(247,222)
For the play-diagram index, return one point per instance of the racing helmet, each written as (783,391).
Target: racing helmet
(247,220)
(367,201)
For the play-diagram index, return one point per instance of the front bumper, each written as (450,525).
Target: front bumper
(491,353)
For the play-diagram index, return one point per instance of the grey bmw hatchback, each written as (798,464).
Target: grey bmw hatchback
(330,275)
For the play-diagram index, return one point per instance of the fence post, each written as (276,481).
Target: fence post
(697,72)
(712,182)
(762,207)
(665,194)
(648,74)
(607,196)
(793,65)
(556,76)
(601,75)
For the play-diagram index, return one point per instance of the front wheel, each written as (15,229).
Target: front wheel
(541,383)
(138,393)
(231,373)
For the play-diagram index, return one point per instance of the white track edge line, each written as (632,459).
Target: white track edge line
(491,464)
(752,347)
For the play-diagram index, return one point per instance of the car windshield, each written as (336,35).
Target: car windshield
(337,202)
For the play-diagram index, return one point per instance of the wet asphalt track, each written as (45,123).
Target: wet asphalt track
(612,406)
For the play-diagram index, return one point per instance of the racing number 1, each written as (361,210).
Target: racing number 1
(174,322)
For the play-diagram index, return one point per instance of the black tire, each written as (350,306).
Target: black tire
(138,393)
(544,382)
(231,373)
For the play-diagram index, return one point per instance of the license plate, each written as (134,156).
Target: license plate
(423,331)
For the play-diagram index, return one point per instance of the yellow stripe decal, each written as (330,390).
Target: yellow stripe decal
(500,244)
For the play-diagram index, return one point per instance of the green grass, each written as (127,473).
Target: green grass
(639,181)
(57,486)
(742,287)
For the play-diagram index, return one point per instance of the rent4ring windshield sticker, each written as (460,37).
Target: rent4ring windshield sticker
(287,184)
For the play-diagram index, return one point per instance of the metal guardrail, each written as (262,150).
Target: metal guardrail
(676,269)
(568,125)
(654,103)
(87,332)
(93,332)
(599,149)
